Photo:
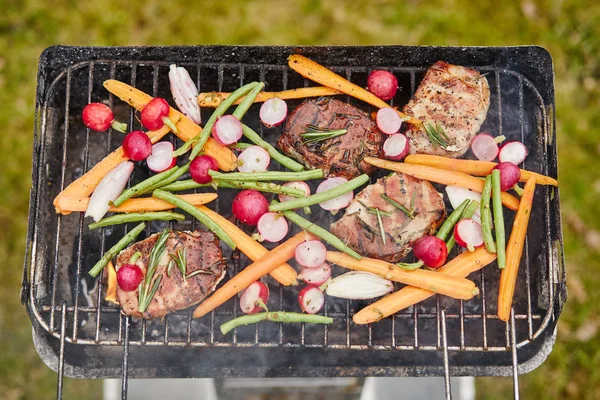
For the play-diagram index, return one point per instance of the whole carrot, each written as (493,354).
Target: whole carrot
(514,251)
(213,99)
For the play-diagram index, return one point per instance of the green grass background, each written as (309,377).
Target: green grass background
(568,29)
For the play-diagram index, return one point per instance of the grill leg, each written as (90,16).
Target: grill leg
(513,345)
(124,379)
(61,356)
(446,364)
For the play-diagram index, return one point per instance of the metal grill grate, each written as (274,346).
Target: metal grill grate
(468,333)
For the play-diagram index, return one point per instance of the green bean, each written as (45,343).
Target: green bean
(248,100)
(136,217)
(498,219)
(267,176)
(113,251)
(322,196)
(320,232)
(243,146)
(486,226)
(196,213)
(170,179)
(200,140)
(275,316)
(143,185)
(259,186)
(468,213)
(277,156)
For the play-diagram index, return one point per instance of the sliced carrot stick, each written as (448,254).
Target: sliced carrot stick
(462,265)
(442,176)
(251,273)
(284,274)
(213,99)
(85,184)
(187,128)
(111,287)
(514,250)
(69,204)
(473,167)
(320,74)
(453,286)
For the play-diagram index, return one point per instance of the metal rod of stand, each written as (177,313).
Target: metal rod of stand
(447,387)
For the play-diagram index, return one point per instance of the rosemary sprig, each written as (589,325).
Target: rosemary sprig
(409,213)
(436,135)
(316,134)
(170,267)
(374,210)
(180,259)
(148,290)
(380,222)
(198,272)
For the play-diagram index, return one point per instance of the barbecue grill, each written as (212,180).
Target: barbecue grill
(78,334)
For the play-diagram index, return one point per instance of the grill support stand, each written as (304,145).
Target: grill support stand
(61,359)
(124,371)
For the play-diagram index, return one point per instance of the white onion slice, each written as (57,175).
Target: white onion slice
(457,195)
(109,188)
(359,285)
(396,147)
(388,120)
(514,152)
(184,92)
(311,254)
(339,202)
(273,112)
(272,227)
(296,185)
(315,276)
(160,159)
(253,159)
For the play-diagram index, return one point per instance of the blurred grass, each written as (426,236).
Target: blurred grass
(568,29)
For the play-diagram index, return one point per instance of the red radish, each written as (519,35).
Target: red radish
(273,112)
(99,117)
(388,120)
(382,84)
(315,276)
(431,250)
(509,175)
(137,146)
(129,277)
(199,168)
(253,159)
(468,234)
(339,202)
(396,147)
(272,227)
(311,254)
(514,152)
(249,301)
(227,130)
(161,159)
(311,299)
(296,185)
(248,206)
(484,147)
(155,114)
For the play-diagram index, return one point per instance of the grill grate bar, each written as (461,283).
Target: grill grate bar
(447,388)
(125,366)
(61,357)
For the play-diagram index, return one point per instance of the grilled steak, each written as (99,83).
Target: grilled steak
(174,293)
(456,98)
(359,227)
(339,156)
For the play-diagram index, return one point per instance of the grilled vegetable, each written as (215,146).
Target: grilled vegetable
(514,152)
(155,115)
(109,188)
(248,206)
(431,250)
(359,285)
(273,112)
(227,130)
(160,158)
(311,299)
(200,166)
(311,254)
(99,117)
(272,227)
(254,297)
(213,99)
(275,316)
(382,84)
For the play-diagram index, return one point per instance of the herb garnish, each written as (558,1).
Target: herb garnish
(180,259)
(436,135)
(409,213)
(147,289)
(316,134)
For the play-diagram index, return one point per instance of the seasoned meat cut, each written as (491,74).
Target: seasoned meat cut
(174,293)
(457,98)
(360,227)
(338,156)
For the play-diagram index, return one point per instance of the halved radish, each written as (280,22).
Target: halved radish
(514,152)
(396,147)
(249,301)
(296,185)
(315,276)
(388,120)
(227,130)
(336,203)
(457,195)
(273,112)
(253,159)
(272,227)
(311,254)
(468,234)
(509,175)
(484,147)
(311,299)
(161,159)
